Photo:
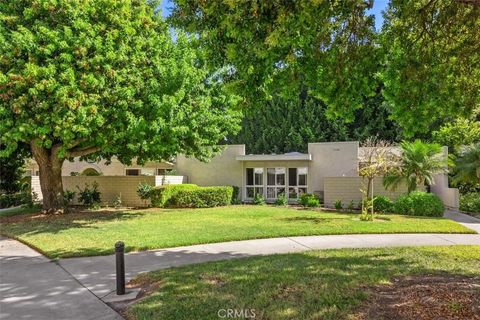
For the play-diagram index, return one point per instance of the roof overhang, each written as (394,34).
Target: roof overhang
(275,157)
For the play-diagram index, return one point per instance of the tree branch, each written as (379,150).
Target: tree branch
(78,152)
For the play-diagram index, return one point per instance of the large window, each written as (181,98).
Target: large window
(254,182)
(297,182)
(132,172)
(275,182)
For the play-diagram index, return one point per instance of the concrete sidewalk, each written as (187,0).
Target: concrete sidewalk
(98,273)
(33,287)
(464,219)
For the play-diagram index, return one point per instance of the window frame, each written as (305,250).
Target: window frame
(276,187)
(254,185)
(133,175)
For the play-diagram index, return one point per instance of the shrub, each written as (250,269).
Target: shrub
(235,195)
(144,189)
(351,206)
(470,202)
(68,197)
(258,200)
(382,204)
(281,200)
(90,195)
(117,203)
(309,200)
(419,203)
(15,199)
(338,205)
(202,197)
(161,196)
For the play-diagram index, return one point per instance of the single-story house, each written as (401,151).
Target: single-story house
(328,169)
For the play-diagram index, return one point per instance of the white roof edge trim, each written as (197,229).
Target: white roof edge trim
(274,157)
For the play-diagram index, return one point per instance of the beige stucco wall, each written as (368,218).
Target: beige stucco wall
(222,169)
(115,168)
(449,196)
(111,186)
(331,159)
(347,189)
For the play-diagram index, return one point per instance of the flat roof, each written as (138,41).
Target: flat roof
(275,157)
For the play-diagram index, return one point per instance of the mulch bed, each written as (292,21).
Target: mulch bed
(424,297)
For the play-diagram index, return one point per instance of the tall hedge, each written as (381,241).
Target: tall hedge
(191,196)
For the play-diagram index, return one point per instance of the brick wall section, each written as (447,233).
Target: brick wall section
(347,189)
(111,186)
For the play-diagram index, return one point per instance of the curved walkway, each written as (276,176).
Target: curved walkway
(33,287)
(98,273)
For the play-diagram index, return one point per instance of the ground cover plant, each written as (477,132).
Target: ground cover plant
(89,232)
(329,284)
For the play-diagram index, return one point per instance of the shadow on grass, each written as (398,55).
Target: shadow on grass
(36,224)
(293,286)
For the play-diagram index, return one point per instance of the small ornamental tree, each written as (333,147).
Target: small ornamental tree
(103,78)
(376,159)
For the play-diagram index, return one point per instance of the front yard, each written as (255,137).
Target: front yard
(91,233)
(401,283)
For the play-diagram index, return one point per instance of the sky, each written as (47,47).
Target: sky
(378,6)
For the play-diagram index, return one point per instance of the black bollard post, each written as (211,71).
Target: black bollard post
(120,264)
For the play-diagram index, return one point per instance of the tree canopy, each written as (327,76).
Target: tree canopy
(100,79)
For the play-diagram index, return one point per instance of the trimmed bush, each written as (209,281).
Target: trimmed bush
(202,197)
(419,203)
(382,204)
(309,200)
(191,196)
(161,196)
(470,202)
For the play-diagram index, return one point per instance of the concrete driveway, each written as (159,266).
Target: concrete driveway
(33,287)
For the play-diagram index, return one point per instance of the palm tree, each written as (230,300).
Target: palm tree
(467,165)
(417,165)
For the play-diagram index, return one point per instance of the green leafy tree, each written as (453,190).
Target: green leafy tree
(12,169)
(467,165)
(417,166)
(283,47)
(462,132)
(431,61)
(100,79)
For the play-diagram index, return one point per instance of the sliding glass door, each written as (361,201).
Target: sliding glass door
(275,183)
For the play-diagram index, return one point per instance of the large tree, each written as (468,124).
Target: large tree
(103,78)
(286,47)
(432,61)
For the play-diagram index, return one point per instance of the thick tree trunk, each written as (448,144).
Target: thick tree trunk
(50,167)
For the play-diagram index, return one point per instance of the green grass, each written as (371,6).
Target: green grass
(95,233)
(18,211)
(313,285)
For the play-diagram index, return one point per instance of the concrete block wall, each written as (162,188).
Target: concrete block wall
(111,187)
(347,189)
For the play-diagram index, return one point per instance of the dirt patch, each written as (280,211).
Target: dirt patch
(424,297)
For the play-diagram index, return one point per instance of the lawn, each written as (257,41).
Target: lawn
(95,232)
(330,284)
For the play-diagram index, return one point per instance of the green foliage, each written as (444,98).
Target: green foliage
(462,132)
(144,190)
(105,78)
(15,199)
(68,197)
(161,196)
(309,200)
(417,166)
(351,206)
(467,165)
(429,76)
(117,203)
(235,195)
(12,169)
(419,203)
(89,196)
(202,197)
(259,200)
(287,47)
(338,204)
(470,202)
(282,200)
(382,204)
